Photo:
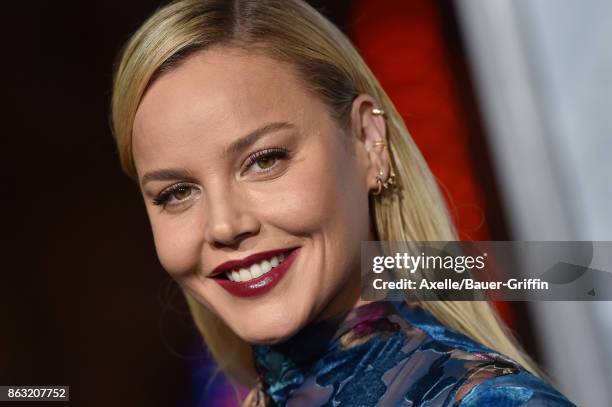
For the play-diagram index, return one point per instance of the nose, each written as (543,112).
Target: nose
(228,218)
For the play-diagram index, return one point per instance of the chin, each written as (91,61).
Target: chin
(274,328)
(264,334)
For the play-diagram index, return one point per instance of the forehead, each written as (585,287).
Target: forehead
(217,95)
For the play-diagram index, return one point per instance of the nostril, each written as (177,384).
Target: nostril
(233,242)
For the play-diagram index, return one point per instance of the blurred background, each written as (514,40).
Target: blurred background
(509,101)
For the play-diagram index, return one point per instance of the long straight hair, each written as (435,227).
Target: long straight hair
(330,66)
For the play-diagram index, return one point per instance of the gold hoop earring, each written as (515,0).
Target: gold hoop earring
(378,112)
(380,187)
(388,183)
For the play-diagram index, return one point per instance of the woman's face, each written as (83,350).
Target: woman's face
(239,163)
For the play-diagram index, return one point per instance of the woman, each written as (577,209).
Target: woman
(266,151)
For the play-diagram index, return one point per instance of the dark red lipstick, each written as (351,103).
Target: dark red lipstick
(261,284)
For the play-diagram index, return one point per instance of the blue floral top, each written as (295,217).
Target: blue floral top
(393,354)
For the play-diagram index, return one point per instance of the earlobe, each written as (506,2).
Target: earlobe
(384,183)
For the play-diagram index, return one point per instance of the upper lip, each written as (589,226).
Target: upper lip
(247,261)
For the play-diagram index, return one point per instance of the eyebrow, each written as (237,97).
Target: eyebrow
(246,141)
(166,174)
(169,174)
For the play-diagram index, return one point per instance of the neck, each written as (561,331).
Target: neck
(283,367)
(347,297)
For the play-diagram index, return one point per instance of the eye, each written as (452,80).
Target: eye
(175,194)
(181,193)
(266,160)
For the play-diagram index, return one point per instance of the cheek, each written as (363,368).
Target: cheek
(177,243)
(322,196)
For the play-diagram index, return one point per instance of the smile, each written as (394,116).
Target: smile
(256,269)
(256,274)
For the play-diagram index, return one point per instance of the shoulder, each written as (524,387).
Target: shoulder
(454,370)
(441,374)
(517,389)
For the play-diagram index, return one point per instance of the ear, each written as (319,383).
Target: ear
(369,128)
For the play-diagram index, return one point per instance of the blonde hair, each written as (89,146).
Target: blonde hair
(292,31)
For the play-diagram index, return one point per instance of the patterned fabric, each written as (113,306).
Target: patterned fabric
(393,354)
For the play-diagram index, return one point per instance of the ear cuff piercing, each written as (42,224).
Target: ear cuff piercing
(390,181)
(380,142)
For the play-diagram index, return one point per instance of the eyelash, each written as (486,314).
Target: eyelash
(164,195)
(276,152)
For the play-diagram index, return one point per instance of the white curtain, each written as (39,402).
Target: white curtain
(543,76)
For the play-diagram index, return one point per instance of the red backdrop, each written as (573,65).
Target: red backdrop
(402,41)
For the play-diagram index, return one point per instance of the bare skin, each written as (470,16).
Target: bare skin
(313,194)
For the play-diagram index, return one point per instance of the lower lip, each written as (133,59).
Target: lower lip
(261,284)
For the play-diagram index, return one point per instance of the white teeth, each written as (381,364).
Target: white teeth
(256,270)
(274,261)
(245,275)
